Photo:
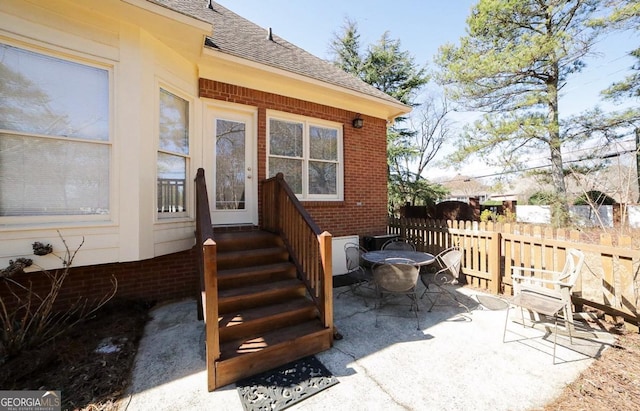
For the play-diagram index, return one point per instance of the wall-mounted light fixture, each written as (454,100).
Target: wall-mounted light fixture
(357,122)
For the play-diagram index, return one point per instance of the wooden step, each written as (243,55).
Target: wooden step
(237,241)
(254,321)
(246,357)
(243,276)
(251,257)
(255,295)
(265,316)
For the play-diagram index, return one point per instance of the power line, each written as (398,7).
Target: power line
(602,157)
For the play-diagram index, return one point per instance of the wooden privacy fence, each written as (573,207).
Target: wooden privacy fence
(609,281)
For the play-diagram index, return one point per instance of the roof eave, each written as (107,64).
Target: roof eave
(343,97)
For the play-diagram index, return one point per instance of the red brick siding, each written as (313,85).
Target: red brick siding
(365,161)
(175,276)
(167,277)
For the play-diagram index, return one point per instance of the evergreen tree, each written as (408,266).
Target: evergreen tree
(625,15)
(385,66)
(513,62)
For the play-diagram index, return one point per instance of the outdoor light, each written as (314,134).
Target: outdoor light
(358,122)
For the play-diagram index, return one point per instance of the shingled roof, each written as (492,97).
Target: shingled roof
(237,36)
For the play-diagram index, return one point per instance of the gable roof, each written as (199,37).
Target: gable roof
(238,37)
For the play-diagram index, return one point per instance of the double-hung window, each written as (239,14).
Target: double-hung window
(173,155)
(55,145)
(308,152)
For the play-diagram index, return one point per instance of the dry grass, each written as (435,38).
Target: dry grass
(612,382)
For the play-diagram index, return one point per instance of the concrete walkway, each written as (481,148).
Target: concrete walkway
(455,361)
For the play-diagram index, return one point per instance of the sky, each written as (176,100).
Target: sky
(422,26)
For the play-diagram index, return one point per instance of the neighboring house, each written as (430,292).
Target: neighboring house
(461,188)
(108,108)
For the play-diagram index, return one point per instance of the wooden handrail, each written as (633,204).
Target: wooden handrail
(208,272)
(310,249)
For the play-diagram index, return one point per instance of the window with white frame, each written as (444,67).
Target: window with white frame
(308,152)
(55,145)
(173,154)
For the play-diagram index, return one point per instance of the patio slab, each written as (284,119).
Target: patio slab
(455,361)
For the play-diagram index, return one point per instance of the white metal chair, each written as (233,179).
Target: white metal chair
(447,271)
(547,293)
(357,270)
(396,278)
(398,244)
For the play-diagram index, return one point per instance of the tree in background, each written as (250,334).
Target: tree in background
(408,162)
(625,15)
(385,66)
(511,65)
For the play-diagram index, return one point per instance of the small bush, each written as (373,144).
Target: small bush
(487,215)
(32,321)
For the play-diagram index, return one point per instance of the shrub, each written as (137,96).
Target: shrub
(487,215)
(32,321)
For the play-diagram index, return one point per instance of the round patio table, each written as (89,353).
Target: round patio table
(381,256)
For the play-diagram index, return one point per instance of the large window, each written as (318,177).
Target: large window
(55,147)
(309,154)
(173,154)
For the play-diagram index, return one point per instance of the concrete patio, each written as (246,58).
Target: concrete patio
(455,361)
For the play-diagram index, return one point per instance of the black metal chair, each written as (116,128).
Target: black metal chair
(398,244)
(446,272)
(396,278)
(358,271)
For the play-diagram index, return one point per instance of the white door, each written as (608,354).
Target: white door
(230,143)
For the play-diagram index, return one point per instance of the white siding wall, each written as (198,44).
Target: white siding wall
(139,63)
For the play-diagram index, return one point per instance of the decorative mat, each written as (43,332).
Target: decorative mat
(492,303)
(342,280)
(282,387)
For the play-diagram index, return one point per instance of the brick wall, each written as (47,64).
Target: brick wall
(162,278)
(364,209)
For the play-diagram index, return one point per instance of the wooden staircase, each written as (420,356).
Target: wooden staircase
(265,315)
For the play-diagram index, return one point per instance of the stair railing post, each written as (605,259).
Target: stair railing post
(278,202)
(325,240)
(209,251)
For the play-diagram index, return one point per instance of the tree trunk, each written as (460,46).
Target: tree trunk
(638,161)
(560,207)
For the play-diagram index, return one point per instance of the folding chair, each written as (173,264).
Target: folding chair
(547,297)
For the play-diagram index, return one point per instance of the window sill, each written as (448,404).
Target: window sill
(316,203)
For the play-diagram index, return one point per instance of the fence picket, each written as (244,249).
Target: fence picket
(610,279)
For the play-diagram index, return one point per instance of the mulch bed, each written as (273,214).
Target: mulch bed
(612,382)
(90,364)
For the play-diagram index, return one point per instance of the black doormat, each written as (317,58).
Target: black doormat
(342,280)
(284,386)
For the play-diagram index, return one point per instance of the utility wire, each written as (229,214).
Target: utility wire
(602,157)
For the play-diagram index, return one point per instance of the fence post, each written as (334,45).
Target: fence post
(494,263)
(403,227)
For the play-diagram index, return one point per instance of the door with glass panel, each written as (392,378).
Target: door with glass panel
(230,165)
